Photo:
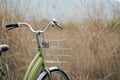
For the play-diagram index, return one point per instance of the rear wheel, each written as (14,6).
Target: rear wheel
(56,74)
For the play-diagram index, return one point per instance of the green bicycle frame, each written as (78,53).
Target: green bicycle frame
(36,64)
(2,74)
(38,61)
(2,77)
(33,67)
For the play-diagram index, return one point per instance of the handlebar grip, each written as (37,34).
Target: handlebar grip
(11,26)
(58,26)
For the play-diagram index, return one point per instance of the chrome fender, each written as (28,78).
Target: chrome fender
(44,73)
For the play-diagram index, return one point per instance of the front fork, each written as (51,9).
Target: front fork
(46,69)
(49,73)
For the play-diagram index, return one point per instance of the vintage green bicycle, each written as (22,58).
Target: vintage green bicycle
(38,63)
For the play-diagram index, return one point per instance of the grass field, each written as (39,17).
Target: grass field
(95,53)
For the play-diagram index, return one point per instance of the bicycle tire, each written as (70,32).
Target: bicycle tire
(57,74)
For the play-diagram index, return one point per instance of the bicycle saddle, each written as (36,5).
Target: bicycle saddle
(3,48)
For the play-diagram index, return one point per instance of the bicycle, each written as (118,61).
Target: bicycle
(38,63)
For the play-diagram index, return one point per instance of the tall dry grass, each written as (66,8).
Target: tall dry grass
(95,53)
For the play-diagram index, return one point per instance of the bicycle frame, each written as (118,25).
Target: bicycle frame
(38,61)
(2,77)
(33,67)
(36,64)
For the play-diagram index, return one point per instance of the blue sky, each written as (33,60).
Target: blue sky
(55,8)
(72,9)
(64,9)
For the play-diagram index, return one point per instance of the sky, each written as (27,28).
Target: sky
(69,9)
(63,9)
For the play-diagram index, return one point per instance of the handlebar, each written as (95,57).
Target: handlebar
(53,22)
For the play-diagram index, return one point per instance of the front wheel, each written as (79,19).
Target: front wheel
(56,74)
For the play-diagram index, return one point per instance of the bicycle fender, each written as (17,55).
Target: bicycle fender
(44,72)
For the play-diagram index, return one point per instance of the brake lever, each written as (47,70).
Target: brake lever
(59,26)
(56,24)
